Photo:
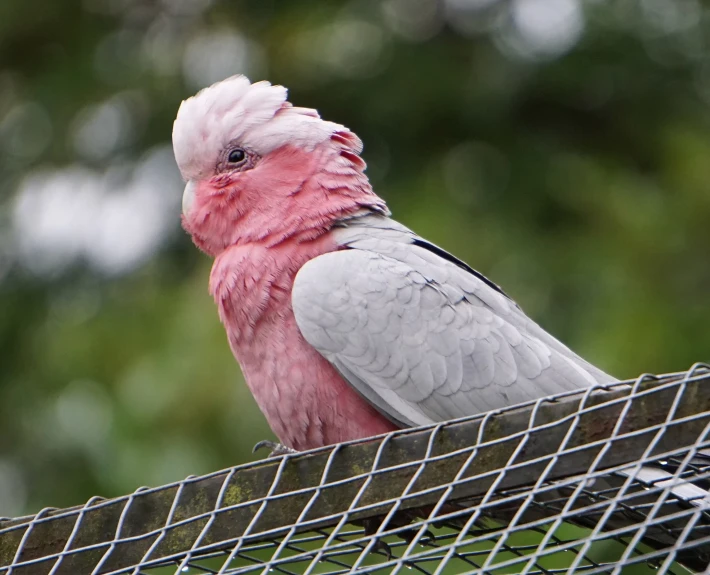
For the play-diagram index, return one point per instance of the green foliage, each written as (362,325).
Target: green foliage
(574,176)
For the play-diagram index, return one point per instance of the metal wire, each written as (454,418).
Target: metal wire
(606,480)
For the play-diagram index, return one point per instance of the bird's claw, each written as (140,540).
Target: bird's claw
(427,539)
(276,448)
(371,525)
(382,547)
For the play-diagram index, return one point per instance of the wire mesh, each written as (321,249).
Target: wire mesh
(604,480)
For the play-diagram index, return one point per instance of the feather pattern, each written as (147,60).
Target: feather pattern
(420,335)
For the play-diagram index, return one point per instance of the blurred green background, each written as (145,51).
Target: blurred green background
(561,147)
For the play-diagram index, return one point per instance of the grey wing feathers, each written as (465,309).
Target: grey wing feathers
(421,337)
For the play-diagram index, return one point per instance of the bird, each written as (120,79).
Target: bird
(346,323)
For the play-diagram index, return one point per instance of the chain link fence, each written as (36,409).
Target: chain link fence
(605,480)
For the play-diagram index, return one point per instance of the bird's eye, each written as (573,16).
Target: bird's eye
(236,155)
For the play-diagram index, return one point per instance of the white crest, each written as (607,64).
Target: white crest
(256,116)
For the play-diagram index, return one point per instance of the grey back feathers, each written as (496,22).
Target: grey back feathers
(422,336)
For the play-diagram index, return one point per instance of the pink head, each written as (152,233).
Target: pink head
(260,170)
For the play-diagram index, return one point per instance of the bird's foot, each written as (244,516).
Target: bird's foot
(427,540)
(276,448)
(372,524)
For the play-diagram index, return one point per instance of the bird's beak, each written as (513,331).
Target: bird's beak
(188,197)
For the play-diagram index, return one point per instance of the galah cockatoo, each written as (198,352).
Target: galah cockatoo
(346,323)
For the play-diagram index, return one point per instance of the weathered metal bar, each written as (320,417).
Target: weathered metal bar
(75,541)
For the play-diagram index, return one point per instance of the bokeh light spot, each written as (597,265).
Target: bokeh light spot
(542,29)
(213,56)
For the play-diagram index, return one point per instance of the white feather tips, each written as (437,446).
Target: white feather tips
(255,116)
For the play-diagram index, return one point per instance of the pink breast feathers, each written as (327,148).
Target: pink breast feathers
(303,397)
